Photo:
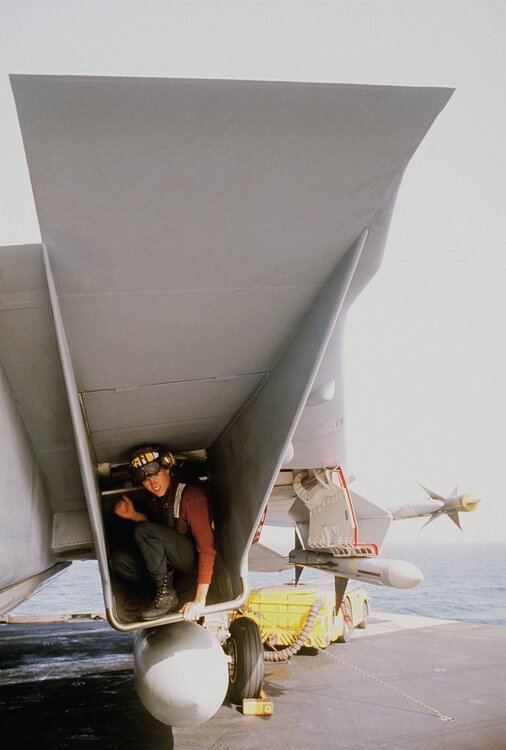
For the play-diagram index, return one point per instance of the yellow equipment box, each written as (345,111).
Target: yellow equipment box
(281,613)
(261,706)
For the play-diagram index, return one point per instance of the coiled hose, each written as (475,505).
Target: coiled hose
(286,653)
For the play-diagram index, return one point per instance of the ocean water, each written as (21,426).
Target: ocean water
(464,582)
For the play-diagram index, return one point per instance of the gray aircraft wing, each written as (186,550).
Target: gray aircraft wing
(190,224)
(190,227)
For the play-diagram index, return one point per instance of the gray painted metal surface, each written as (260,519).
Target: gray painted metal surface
(246,460)
(29,356)
(86,463)
(191,225)
(25,514)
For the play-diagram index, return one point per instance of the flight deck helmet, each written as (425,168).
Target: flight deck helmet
(147,460)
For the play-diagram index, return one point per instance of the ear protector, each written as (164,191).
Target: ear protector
(167,459)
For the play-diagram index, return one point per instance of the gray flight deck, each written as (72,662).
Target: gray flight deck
(404,682)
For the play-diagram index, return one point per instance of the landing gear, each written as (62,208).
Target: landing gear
(365,614)
(346,634)
(246,669)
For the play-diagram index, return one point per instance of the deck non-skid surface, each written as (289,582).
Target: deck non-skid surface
(71,684)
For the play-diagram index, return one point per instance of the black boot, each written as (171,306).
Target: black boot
(165,600)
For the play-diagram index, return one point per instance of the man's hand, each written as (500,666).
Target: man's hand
(125,508)
(192,610)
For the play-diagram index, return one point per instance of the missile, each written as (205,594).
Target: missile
(399,574)
(416,510)
(181,673)
(437,505)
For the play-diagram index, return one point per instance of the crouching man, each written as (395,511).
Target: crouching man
(173,534)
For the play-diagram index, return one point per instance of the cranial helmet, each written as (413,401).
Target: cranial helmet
(147,460)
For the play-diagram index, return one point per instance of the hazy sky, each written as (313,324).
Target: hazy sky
(425,359)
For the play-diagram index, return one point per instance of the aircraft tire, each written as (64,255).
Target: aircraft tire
(346,634)
(247,667)
(365,614)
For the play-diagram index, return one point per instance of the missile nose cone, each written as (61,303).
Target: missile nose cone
(397,573)
(403,575)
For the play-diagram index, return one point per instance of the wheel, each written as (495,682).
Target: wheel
(345,635)
(365,614)
(246,669)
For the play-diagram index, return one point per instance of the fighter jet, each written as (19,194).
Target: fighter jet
(202,242)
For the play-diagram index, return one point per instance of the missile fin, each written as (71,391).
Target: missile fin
(427,523)
(298,573)
(298,545)
(432,518)
(455,518)
(432,494)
